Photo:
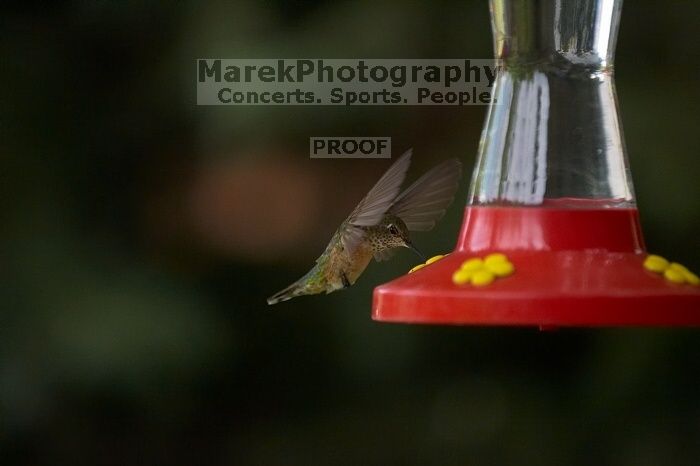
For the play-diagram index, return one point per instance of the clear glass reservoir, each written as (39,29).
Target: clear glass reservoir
(554,137)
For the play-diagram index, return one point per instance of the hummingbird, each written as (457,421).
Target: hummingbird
(379,225)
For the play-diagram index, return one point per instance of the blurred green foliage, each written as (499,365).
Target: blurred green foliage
(133,327)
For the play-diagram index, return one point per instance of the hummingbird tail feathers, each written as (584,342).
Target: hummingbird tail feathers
(292,291)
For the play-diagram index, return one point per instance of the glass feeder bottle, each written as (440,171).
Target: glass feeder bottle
(554,138)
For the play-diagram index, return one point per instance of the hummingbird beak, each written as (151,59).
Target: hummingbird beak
(410,246)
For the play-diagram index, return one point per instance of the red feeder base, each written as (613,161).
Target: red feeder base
(573,267)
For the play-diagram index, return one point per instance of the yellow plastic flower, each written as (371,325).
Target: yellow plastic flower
(428,262)
(482,272)
(672,271)
(417,267)
(475,263)
(462,277)
(434,259)
(655,263)
(482,277)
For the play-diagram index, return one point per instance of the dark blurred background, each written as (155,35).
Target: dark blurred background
(141,235)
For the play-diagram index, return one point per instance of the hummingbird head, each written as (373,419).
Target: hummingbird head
(392,232)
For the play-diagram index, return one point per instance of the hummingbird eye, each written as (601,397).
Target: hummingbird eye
(393,230)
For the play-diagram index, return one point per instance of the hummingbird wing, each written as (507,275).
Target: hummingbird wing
(423,203)
(376,203)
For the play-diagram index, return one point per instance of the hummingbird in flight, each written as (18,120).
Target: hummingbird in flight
(379,225)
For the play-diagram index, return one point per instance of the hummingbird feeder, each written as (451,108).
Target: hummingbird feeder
(551,203)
